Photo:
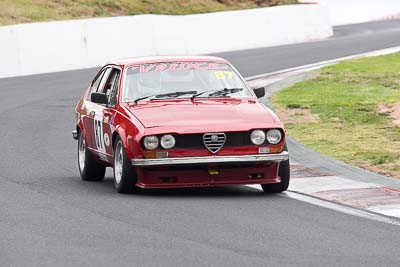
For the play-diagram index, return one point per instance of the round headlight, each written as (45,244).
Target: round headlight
(274,136)
(150,142)
(257,137)
(167,141)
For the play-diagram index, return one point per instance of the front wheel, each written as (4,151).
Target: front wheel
(124,174)
(89,168)
(284,174)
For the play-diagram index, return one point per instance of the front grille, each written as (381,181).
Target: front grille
(233,139)
(214,141)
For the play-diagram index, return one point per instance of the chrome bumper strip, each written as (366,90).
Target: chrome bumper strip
(212,159)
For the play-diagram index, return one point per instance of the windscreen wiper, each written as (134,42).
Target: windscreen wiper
(222,92)
(172,94)
(176,94)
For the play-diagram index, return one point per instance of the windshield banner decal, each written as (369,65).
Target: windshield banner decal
(182,66)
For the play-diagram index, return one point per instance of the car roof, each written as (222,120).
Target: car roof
(158,59)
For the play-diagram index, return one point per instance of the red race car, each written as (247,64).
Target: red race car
(164,122)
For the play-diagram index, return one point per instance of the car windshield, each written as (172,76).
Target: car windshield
(182,80)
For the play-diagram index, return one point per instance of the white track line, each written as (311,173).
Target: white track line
(340,208)
(388,210)
(366,214)
(318,65)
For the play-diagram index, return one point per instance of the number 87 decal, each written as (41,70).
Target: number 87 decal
(98,135)
(223,75)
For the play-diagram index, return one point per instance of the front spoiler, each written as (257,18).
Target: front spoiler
(284,155)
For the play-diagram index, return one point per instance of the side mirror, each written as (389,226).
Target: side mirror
(260,92)
(99,98)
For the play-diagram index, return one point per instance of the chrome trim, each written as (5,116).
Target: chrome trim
(214,145)
(284,155)
(75,135)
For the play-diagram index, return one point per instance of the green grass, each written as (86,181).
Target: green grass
(346,97)
(24,11)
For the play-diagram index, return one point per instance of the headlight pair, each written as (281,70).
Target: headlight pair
(151,142)
(273,136)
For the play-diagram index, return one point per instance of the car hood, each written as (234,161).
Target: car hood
(205,115)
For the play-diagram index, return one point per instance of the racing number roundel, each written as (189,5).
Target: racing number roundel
(106,139)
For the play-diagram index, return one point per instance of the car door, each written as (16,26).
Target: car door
(109,112)
(95,120)
(87,117)
(103,119)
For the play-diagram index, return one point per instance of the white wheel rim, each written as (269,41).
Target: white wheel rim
(81,153)
(118,163)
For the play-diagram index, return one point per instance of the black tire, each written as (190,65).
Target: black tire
(125,178)
(91,169)
(284,174)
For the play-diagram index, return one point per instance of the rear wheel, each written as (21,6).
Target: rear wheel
(125,178)
(89,168)
(284,174)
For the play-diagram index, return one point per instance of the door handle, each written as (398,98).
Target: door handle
(92,113)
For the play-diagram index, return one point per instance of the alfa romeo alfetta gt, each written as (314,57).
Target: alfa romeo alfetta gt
(163,122)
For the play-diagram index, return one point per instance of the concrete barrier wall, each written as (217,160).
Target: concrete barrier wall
(57,46)
(342,12)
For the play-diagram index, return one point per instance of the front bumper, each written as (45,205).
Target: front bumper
(284,155)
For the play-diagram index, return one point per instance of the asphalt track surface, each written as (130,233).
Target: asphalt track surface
(49,217)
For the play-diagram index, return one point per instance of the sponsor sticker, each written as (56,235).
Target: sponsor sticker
(182,66)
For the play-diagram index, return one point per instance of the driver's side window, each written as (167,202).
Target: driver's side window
(110,88)
(98,83)
(113,97)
